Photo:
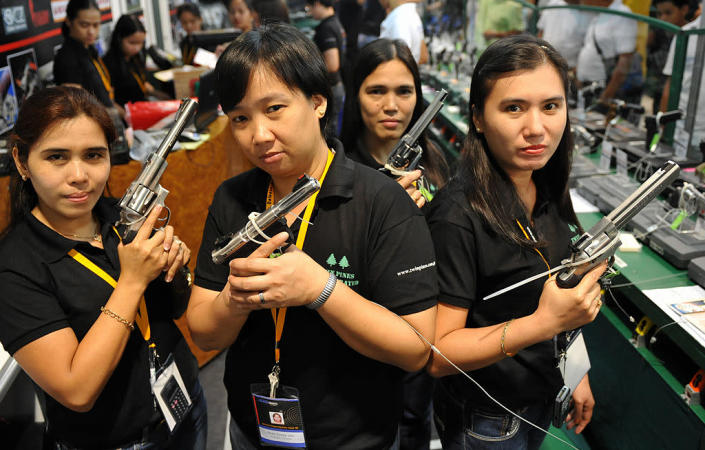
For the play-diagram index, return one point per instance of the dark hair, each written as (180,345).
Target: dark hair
(691,4)
(72,10)
(369,58)
(271,11)
(189,8)
(249,3)
(127,25)
(292,57)
(38,114)
(326,3)
(484,182)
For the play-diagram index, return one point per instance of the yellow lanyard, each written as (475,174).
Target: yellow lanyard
(142,318)
(532,239)
(281,315)
(141,79)
(104,75)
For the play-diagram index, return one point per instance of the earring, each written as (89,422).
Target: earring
(24,177)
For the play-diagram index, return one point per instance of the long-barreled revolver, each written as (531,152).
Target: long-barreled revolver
(601,241)
(406,154)
(145,192)
(258,224)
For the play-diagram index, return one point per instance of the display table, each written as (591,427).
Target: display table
(191,177)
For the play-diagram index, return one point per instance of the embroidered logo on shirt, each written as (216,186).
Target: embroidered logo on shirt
(344,276)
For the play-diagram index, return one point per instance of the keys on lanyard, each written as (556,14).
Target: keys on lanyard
(274,380)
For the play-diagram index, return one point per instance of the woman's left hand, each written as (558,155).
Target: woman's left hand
(179,253)
(292,279)
(408,183)
(583,405)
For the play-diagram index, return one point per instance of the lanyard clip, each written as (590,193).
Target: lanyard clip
(274,380)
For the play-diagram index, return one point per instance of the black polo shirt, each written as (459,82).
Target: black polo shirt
(330,34)
(360,154)
(45,290)
(473,262)
(370,234)
(73,64)
(124,75)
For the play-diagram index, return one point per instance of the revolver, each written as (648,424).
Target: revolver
(601,242)
(145,192)
(270,220)
(406,154)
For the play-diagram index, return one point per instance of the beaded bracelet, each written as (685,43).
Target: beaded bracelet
(109,313)
(504,334)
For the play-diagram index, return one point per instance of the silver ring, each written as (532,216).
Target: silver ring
(261,297)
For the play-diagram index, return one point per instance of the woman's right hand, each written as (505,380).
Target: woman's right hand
(143,259)
(567,309)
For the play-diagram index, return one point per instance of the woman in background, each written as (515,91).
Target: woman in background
(189,16)
(126,62)
(383,102)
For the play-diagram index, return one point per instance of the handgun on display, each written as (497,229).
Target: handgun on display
(406,154)
(653,125)
(601,242)
(269,221)
(145,192)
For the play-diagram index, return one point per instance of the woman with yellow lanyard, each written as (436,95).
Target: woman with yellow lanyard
(126,62)
(77,62)
(88,317)
(317,330)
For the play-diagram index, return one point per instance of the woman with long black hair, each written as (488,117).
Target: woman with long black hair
(506,216)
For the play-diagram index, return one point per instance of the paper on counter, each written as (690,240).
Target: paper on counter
(580,204)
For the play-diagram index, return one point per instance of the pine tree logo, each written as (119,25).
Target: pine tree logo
(344,263)
(331,260)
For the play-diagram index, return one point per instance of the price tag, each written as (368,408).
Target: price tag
(606,155)
(622,162)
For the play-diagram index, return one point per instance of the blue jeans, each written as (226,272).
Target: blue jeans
(460,426)
(191,434)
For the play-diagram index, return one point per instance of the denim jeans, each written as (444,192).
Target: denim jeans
(460,426)
(191,434)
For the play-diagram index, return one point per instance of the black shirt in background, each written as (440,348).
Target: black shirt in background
(370,234)
(73,64)
(473,262)
(372,18)
(45,290)
(124,75)
(330,34)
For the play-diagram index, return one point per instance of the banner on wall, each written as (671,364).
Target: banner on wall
(30,35)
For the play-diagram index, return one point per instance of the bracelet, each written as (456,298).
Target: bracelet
(327,290)
(504,334)
(109,313)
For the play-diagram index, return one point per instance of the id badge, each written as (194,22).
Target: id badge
(575,363)
(279,419)
(171,394)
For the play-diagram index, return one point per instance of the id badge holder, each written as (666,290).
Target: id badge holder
(279,419)
(171,394)
(574,364)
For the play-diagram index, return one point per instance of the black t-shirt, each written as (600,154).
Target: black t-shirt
(473,262)
(330,34)
(369,233)
(45,290)
(73,63)
(372,18)
(127,77)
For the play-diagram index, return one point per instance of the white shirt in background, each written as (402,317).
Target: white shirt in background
(699,126)
(614,34)
(404,23)
(565,29)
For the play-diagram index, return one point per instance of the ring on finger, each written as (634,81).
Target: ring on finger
(261,297)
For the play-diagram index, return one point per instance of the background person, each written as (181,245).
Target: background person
(506,216)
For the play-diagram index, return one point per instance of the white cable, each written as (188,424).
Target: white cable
(624,311)
(435,349)
(548,272)
(649,280)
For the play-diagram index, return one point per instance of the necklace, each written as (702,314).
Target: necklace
(94,237)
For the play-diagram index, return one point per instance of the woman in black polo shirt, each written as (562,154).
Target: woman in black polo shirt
(506,216)
(77,62)
(71,291)
(367,259)
(383,102)
(126,62)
